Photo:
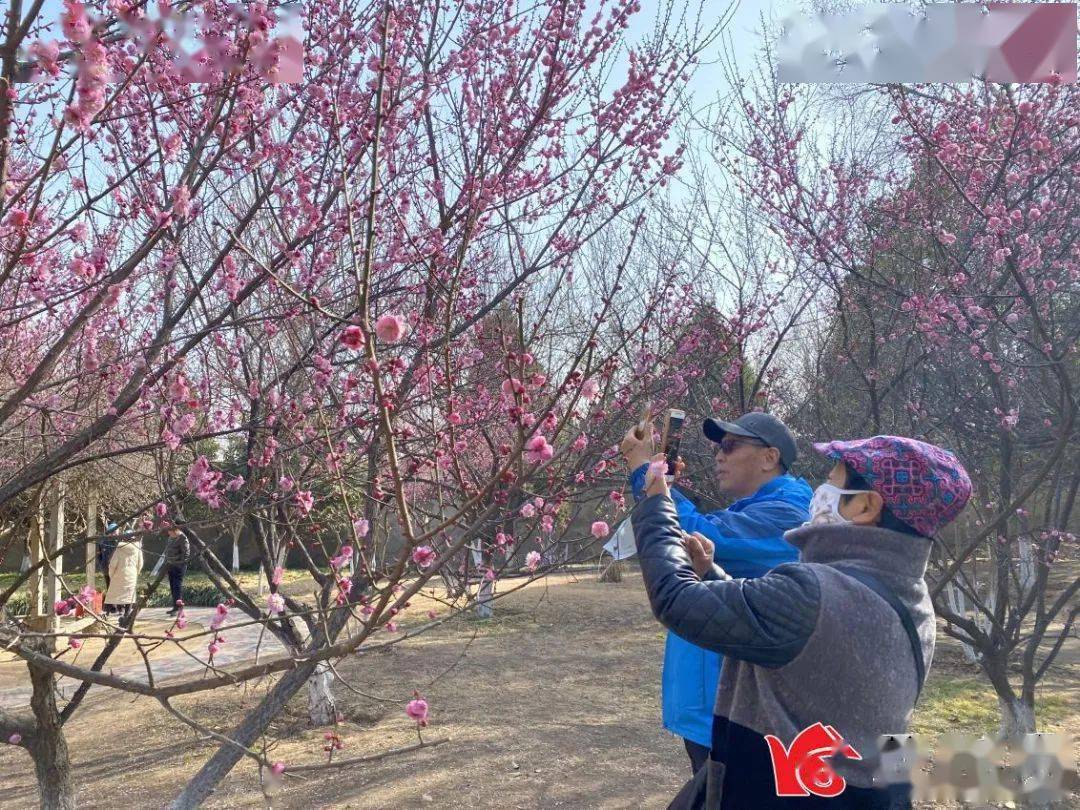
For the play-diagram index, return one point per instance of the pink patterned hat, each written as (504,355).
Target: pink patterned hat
(923,485)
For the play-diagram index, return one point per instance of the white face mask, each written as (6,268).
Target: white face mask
(825,505)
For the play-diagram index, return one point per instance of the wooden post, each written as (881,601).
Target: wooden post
(36,541)
(54,542)
(237,527)
(45,584)
(91,530)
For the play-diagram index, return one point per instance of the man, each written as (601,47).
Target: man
(177,556)
(106,545)
(842,638)
(753,455)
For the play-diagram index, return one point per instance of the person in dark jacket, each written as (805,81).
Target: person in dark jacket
(753,455)
(177,557)
(106,545)
(842,638)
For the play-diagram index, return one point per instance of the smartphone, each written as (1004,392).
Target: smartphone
(673,425)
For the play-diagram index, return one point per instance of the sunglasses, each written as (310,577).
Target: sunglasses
(729,444)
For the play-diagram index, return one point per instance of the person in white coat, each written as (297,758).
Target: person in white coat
(124,568)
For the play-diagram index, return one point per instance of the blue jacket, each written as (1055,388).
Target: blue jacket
(749,541)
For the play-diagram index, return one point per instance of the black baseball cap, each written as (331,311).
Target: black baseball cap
(762,426)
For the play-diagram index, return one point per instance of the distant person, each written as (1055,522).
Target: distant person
(753,456)
(842,638)
(177,557)
(106,545)
(124,569)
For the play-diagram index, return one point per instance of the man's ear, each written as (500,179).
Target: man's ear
(773,455)
(869,506)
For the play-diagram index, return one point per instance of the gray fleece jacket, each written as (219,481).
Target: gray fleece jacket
(805,643)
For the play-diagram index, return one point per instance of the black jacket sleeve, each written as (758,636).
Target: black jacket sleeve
(765,621)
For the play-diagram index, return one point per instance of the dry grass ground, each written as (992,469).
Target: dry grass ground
(554,703)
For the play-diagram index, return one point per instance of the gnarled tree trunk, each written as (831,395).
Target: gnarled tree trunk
(48,746)
(322,708)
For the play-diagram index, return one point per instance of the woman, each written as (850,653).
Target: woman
(124,568)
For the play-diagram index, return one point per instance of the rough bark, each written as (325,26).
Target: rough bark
(322,708)
(613,573)
(485,600)
(253,726)
(48,746)
(1017,717)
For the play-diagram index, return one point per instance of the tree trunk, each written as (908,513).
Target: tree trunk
(48,746)
(958,604)
(322,708)
(1027,564)
(484,599)
(1017,716)
(613,573)
(485,591)
(250,729)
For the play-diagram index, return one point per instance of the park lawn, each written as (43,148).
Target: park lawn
(968,703)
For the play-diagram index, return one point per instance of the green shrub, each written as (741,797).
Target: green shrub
(196,594)
(18,605)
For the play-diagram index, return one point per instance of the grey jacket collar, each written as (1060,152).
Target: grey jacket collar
(877,550)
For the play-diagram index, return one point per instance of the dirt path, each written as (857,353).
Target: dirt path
(240,645)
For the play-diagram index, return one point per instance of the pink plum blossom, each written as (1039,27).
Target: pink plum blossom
(590,389)
(423,556)
(390,328)
(353,337)
(600,529)
(532,560)
(304,501)
(417,709)
(218,619)
(275,604)
(343,558)
(538,450)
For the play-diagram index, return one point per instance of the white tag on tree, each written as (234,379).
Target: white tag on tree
(622,543)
